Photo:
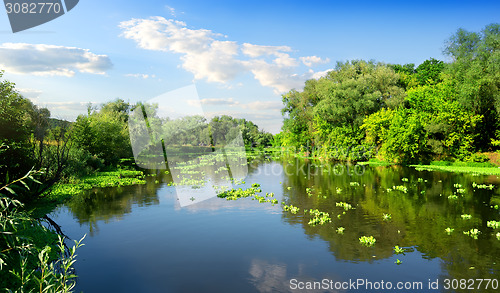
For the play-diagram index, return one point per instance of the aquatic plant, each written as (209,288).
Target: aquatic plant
(466,216)
(340,230)
(473,233)
(354,183)
(367,240)
(401,188)
(345,205)
(386,217)
(234,194)
(498,235)
(457,185)
(318,217)
(404,179)
(338,190)
(292,209)
(449,230)
(453,196)
(309,191)
(398,262)
(493,224)
(399,250)
(483,186)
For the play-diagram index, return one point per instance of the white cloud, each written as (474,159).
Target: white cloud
(171,10)
(51,60)
(214,60)
(263,105)
(313,60)
(32,94)
(140,75)
(258,50)
(218,102)
(320,74)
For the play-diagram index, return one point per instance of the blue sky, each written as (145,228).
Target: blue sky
(241,55)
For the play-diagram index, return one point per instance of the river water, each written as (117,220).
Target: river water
(141,239)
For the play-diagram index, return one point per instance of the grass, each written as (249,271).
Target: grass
(460,167)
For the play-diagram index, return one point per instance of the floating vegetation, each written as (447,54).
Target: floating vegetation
(292,209)
(367,240)
(483,186)
(404,179)
(460,190)
(354,183)
(399,250)
(466,216)
(401,188)
(309,191)
(473,233)
(498,235)
(345,205)
(98,180)
(234,194)
(319,218)
(386,217)
(289,188)
(398,262)
(449,230)
(457,185)
(453,196)
(340,230)
(493,224)
(338,190)
(421,180)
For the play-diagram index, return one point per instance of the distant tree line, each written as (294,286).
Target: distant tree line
(403,113)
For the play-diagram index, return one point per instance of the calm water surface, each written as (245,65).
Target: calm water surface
(139,238)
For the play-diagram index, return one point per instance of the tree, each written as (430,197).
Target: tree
(16,156)
(475,71)
(104,133)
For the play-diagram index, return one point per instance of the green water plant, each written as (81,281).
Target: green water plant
(449,230)
(340,230)
(292,209)
(498,235)
(367,240)
(474,233)
(482,186)
(493,224)
(319,218)
(386,217)
(354,183)
(345,205)
(466,216)
(399,250)
(398,262)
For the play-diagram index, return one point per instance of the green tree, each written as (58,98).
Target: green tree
(475,71)
(104,132)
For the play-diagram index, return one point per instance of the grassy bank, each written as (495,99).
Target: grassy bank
(461,168)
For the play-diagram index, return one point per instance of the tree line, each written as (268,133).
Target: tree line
(403,113)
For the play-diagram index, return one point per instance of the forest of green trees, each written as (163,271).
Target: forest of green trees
(402,113)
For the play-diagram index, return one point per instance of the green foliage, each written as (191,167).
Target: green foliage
(475,71)
(27,262)
(104,133)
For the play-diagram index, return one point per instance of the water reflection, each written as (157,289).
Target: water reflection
(270,252)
